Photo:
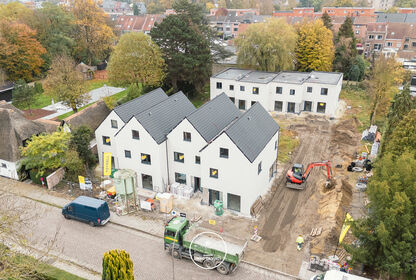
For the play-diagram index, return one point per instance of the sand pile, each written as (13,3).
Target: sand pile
(332,210)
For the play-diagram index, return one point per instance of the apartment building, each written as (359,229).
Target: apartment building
(284,92)
(166,140)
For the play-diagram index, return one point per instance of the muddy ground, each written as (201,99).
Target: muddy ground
(289,212)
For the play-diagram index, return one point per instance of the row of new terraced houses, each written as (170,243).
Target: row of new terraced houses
(227,154)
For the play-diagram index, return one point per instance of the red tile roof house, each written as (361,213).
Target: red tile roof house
(395,37)
(138,23)
(375,39)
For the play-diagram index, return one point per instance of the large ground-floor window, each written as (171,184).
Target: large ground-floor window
(233,202)
(180,178)
(147,182)
(321,107)
(278,106)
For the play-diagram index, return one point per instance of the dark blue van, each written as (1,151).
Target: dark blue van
(93,211)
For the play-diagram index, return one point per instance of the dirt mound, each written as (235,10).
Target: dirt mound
(344,140)
(332,210)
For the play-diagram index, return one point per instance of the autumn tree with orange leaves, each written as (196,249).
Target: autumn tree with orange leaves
(20,52)
(94,38)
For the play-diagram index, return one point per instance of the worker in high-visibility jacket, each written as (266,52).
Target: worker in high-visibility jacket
(300,242)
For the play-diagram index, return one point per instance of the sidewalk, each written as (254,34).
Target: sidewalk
(152,227)
(95,95)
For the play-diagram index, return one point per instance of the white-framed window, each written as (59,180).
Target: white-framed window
(259,168)
(219,85)
(231,87)
(309,89)
(279,90)
(180,178)
(127,153)
(242,88)
(292,92)
(114,124)
(324,91)
(197,160)
(213,173)
(256,90)
(106,140)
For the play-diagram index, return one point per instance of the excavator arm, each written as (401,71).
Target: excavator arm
(315,164)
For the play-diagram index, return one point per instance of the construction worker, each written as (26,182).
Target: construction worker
(300,242)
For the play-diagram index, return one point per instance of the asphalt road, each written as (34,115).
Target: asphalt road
(86,245)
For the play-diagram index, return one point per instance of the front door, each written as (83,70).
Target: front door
(197,184)
(308,106)
(213,195)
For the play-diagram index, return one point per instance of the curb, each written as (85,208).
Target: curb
(271,270)
(157,236)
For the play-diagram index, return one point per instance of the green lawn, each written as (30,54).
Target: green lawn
(63,116)
(287,143)
(120,95)
(41,101)
(15,262)
(94,84)
(358,98)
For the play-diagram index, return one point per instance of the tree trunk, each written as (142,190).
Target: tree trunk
(30,110)
(75,109)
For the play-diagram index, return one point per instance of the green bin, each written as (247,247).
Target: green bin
(219,209)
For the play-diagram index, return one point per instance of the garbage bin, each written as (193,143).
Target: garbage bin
(218,205)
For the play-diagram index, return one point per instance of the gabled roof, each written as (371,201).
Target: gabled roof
(252,131)
(212,117)
(129,109)
(160,119)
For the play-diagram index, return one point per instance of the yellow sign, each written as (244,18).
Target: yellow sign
(107,140)
(144,157)
(81,179)
(181,157)
(107,164)
(214,172)
(345,227)
(211,222)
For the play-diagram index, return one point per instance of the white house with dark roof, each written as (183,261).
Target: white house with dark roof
(216,149)
(286,92)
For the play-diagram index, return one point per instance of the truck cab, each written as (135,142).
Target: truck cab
(174,231)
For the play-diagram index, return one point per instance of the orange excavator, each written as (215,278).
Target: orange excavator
(296,178)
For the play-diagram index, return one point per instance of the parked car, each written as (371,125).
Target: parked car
(90,210)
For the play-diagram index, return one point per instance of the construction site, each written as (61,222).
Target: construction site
(316,211)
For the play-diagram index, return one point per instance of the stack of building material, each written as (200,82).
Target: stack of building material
(181,191)
(369,134)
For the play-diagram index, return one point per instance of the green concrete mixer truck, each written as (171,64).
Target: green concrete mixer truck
(207,248)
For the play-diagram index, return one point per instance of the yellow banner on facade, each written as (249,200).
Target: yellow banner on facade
(107,164)
(345,227)
(81,179)
(211,222)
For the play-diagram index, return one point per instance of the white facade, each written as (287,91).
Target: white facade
(286,92)
(105,129)
(189,160)
(9,169)
(236,174)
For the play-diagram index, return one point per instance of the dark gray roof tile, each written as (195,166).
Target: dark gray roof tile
(129,109)
(252,131)
(160,119)
(212,117)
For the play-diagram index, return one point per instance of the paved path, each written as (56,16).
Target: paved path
(95,95)
(84,246)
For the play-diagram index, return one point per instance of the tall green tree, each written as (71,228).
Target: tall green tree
(268,46)
(24,95)
(67,84)
(326,19)
(345,48)
(136,10)
(358,68)
(387,235)
(400,106)
(117,265)
(386,76)
(314,49)
(46,151)
(55,28)
(136,59)
(80,142)
(404,136)
(186,41)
